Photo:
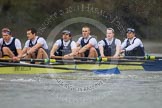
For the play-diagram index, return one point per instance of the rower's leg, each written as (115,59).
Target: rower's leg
(42,54)
(92,52)
(79,55)
(7,51)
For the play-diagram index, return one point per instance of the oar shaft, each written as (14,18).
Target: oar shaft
(93,60)
(72,58)
(111,58)
(142,57)
(33,60)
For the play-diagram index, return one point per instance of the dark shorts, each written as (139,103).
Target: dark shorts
(86,53)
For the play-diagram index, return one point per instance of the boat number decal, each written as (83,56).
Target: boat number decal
(22,68)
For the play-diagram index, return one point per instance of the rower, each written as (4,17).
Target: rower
(35,46)
(110,46)
(10,46)
(87,45)
(132,46)
(64,47)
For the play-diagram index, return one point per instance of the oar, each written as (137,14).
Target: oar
(85,58)
(147,57)
(156,65)
(46,61)
(108,58)
(58,62)
(28,60)
(89,60)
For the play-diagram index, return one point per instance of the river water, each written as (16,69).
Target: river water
(130,89)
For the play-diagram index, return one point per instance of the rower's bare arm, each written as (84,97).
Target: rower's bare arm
(34,48)
(77,44)
(118,50)
(73,52)
(86,47)
(24,51)
(101,51)
(53,50)
(19,51)
(17,58)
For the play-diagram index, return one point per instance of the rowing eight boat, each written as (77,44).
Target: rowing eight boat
(111,67)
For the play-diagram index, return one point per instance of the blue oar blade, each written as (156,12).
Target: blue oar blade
(107,71)
(153,66)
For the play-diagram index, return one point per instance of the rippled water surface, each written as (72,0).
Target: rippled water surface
(130,89)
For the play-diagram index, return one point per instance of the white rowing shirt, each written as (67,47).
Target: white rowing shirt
(109,42)
(17,43)
(92,41)
(41,40)
(59,43)
(137,42)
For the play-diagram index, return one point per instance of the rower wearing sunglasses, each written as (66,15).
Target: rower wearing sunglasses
(132,46)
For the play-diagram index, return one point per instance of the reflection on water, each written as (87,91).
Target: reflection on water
(129,89)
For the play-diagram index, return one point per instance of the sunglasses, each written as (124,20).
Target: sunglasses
(130,30)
